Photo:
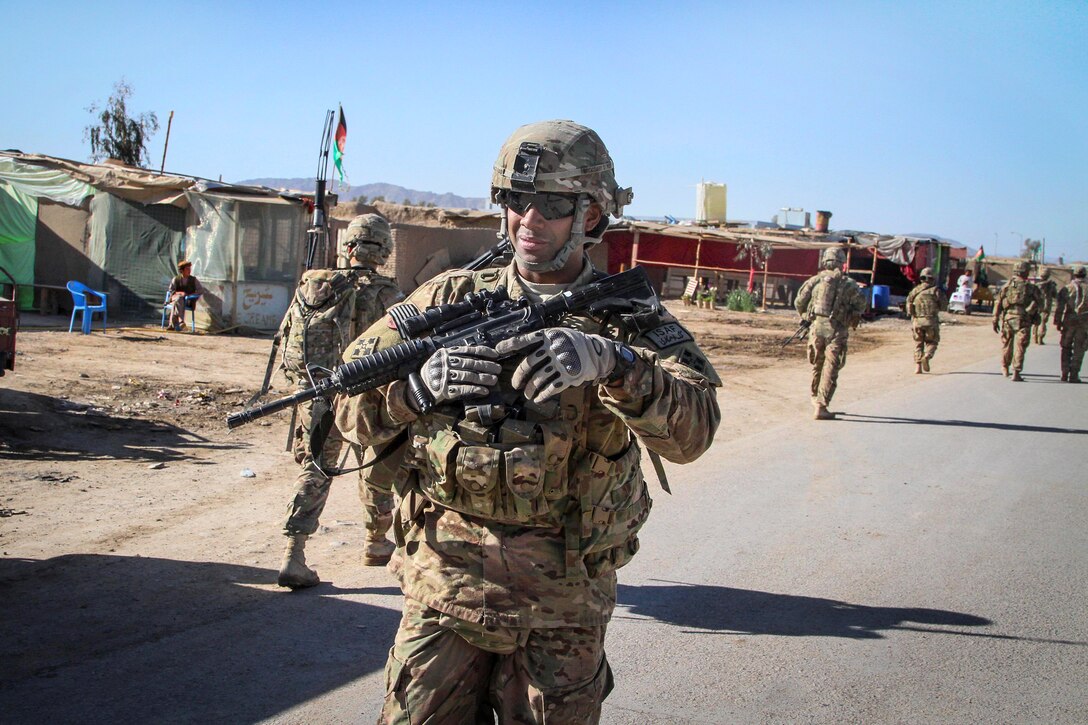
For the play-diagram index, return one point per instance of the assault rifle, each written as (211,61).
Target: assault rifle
(482,318)
(805,324)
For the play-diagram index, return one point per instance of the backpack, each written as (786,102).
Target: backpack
(318,323)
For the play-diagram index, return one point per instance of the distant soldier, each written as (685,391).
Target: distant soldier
(1071,319)
(1049,288)
(832,303)
(330,308)
(1017,308)
(923,305)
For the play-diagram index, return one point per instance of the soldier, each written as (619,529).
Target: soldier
(1049,288)
(1017,308)
(832,303)
(1071,320)
(329,309)
(923,305)
(520,507)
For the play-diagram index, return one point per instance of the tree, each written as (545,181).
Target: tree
(1031,249)
(116,135)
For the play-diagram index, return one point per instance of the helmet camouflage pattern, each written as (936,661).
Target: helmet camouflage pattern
(1044,272)
(1022,269)
(560,157)
(832,257)
(1080,271)
(368,239)
(926,273)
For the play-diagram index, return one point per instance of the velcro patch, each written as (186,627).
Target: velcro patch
(668,335)
(364,346)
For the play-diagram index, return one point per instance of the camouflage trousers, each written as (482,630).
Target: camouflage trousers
(312,485)
(1039,330)
(444,670)
(1015,338)
(1074,342)
(827,356)
(926,339)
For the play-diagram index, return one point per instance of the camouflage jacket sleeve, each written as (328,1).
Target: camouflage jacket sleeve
(668,398)
(909,305)
(855,301)
(999,303)
(1060,306)
(804,295)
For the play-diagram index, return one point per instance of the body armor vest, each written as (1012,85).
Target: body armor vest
(513,462)
(926,303)
(1017,294)
(823,296)
(318,322)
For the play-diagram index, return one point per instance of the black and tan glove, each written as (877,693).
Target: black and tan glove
(457,373)
(559,358)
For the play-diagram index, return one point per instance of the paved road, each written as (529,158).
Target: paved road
(924,559)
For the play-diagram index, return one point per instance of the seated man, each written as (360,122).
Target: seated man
(183,286)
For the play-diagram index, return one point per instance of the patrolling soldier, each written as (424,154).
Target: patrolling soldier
(924,303)
(520,506)
(329,309)
(1049,288)
(1017,308)
(832,303)
(1071,320)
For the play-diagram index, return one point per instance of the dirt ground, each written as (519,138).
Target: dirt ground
(113,447)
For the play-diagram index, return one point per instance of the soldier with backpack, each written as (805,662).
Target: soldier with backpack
(330,308)
(1019,305)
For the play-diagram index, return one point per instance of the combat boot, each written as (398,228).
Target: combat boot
(925,364)
(1004,371)
(1016,377)
(377,550)
(822,413)
(917,368)
(1065,376)
(294,574)
(1074,378)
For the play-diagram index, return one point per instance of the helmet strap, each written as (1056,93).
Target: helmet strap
(576,241)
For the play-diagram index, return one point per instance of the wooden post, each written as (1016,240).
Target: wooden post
(764,296)
(634,249)
(166,145)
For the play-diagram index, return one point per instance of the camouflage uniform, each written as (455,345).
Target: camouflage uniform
(1071,319)
(833,303)
(329,310)
(1049,288)
(516,515)
(1017,308)
(493,545)
(924,304)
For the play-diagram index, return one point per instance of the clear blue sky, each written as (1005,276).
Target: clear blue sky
(964,119)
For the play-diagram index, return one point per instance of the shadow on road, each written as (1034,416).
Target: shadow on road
(744,611)
(135,639)
(41,427)
(859,418)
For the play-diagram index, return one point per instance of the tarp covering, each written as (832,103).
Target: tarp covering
(20,187)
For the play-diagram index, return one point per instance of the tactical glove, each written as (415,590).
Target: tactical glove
(997,326)
(455,373)
(559,358)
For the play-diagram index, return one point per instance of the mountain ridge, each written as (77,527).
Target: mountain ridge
(388,192)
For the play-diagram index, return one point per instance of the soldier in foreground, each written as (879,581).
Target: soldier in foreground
(1071,320)
(329,309)
(1049,288)
(924,303)
(525,492)
(832,302)
(1017,308)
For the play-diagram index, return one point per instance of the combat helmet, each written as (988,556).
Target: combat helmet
(926,273)
(559,157)
(1022,269)
(1080,271)
(367,239)
(1044,272)
(832,258)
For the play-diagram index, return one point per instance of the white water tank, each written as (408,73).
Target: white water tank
(710,202)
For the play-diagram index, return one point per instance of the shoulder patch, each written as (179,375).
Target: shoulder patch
(668,335)
(364,346)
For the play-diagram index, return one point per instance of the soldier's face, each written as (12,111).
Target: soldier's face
(538,239)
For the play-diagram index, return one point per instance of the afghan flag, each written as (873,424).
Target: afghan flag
(338,147)
(980,254)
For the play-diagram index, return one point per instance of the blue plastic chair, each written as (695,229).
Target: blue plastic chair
(190,304)
(81,302)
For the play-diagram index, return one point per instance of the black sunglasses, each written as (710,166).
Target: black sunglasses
(550,206)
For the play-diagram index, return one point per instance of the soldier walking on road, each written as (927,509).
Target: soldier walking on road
(1071,320)
(330,307)
(832,302)
(924,303)
(1049,288)
(1018,307)
(525,491)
